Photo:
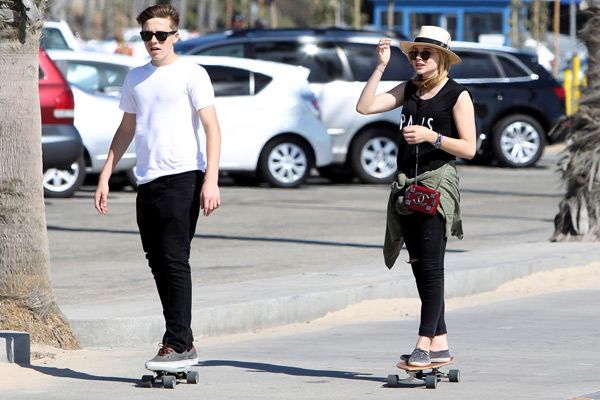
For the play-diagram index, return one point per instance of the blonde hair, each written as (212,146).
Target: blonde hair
(442,72)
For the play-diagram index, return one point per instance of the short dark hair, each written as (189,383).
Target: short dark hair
(160,11)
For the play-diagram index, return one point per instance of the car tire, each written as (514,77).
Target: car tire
(62,183)
(374,154)
(285,162)
(519,141)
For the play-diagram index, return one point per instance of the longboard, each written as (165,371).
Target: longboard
(169,378)
(429,375)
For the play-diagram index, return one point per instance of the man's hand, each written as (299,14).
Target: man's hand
(210,198)
(101,197)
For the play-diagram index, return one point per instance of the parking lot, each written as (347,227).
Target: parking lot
(262,232)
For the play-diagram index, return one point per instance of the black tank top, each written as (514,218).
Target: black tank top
(435,114)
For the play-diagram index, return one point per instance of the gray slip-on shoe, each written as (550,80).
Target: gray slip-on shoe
(419,358)
(440,356)
(435,356)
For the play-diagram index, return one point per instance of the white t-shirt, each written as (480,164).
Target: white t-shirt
(169,138)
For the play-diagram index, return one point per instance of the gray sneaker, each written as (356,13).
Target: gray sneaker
(192,356)
(169,360)
(419,358)
(435,356)
(440,356)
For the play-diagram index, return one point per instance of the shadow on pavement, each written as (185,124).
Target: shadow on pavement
(69,373)
(292,371)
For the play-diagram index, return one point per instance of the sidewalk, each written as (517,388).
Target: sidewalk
(245,306)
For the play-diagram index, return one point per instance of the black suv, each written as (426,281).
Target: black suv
(516,100)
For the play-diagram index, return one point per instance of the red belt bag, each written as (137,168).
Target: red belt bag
(422,199)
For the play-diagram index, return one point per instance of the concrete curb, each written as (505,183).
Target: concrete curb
(230,311)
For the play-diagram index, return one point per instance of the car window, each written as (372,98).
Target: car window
(53,39)
(229,50)
(320,58)
(229,81)
(474,65)
(93,76)
(510,68)
(260,82)
(363,59)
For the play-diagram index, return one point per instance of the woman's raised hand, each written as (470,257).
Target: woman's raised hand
(383,52)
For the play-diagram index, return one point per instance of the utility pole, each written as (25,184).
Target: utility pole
(556,33)
(273,14)
(390,15)
(357,15)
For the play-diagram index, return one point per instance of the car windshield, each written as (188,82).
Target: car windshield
(52,39)
(320,58)
(94,76)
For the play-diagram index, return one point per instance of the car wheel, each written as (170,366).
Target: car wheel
(518,141)
(285,162)
(374,156)
(64,182)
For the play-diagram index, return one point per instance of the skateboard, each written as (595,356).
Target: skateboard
(429,375)
(170,378)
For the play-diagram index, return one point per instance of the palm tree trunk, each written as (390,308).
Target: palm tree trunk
(579,211)
(26,299)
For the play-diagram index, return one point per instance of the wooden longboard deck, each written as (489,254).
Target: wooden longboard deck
(403,365)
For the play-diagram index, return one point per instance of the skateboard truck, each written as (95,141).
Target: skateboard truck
(429,375)
(170,379)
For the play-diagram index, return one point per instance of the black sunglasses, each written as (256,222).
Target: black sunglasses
(160,35)
(413,54)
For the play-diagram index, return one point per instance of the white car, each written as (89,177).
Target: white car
(96,80)
(269,117)
(57,35)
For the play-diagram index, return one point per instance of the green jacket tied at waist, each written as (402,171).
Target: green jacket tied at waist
(443,179)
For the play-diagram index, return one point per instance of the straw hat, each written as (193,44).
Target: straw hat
(432,36)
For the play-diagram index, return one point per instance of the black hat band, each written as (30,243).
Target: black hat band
(432,41)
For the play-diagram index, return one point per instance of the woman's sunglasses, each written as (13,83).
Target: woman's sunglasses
(160,35)
(413,54)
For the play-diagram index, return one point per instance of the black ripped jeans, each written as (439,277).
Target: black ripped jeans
(167,211)
(425,240)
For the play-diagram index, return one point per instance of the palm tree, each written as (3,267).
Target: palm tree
(26,299)
(579,211)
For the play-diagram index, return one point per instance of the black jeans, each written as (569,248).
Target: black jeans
(167,213)
(426,244)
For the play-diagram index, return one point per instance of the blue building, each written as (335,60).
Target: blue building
(464,19)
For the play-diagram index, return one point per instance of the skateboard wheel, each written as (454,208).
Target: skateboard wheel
(193,377)
(169,381)
(147,381)
(454,375)
(431,382)
(392,380)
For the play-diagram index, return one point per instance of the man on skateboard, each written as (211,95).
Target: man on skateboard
(167,105)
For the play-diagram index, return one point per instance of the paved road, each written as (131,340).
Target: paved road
(267,233)
(540,347)
(268,256)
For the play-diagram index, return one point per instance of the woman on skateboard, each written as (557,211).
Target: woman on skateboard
(437,125)
(167,105)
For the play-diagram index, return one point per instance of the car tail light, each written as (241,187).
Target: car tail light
(559,91)
(64,107)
